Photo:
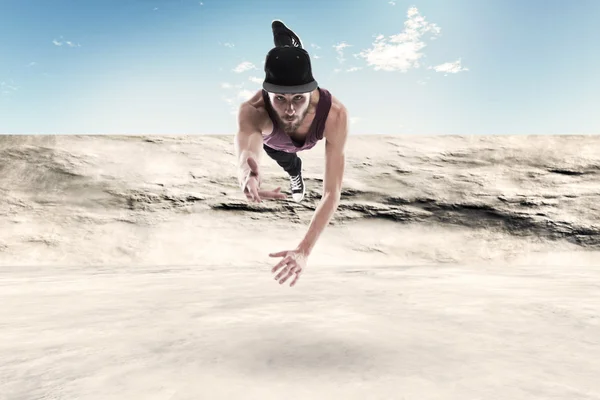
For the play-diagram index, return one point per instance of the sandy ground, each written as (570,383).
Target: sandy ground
(354,333)
(456,268)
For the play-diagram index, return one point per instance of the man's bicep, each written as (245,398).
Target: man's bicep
(248,137)
(335,155)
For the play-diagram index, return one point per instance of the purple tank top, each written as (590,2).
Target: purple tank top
(279,140)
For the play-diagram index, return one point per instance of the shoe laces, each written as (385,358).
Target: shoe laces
(296,182)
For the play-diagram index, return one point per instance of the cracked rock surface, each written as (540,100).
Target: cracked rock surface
(102,199)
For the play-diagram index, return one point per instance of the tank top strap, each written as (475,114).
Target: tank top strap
(321,114)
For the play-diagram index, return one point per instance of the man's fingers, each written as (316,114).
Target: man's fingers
(295,279)
(280,274)
(273,194)
(278,254)
(277,193)
(263,195)
(251,190)
(284,274)
(255,193)
(290,272)
(285,278)
(281,263)
(269,194)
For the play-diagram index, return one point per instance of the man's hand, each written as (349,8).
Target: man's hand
(252,185)
(293,263)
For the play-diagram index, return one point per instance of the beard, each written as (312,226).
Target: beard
(291,126)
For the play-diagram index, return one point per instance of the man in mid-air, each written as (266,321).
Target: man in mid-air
(291,114)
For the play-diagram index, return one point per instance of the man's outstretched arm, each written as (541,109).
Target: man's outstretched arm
(248,145)
(248,141)
(335,160)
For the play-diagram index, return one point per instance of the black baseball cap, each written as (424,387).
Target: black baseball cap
(288,70)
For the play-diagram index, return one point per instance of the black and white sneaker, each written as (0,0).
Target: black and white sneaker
(283,36)
(297,187)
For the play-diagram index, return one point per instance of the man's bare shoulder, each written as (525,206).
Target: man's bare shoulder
(337,119)
(252,112)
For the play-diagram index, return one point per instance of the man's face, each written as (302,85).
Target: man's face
(291,108)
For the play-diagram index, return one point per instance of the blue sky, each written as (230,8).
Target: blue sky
(400,67)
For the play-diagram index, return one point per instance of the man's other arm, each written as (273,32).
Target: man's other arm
(335,159)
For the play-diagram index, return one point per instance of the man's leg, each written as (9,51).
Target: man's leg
(292,164)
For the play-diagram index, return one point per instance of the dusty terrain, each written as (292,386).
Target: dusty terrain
(455,268)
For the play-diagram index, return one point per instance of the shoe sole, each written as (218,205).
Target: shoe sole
(274,25)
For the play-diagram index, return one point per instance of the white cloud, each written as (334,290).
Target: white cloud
(255,79)
(244,66)
(337,70)
(316,57)
(353,69)
(355,120)
(230,45)
(392,3)
(8,88)
(402,51)
(241,94)
(68,43)
(234,101)
(339,48)
(450,67)
(245,94)
(314,46)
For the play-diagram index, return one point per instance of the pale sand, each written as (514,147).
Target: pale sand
(456,268)
(344,333)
